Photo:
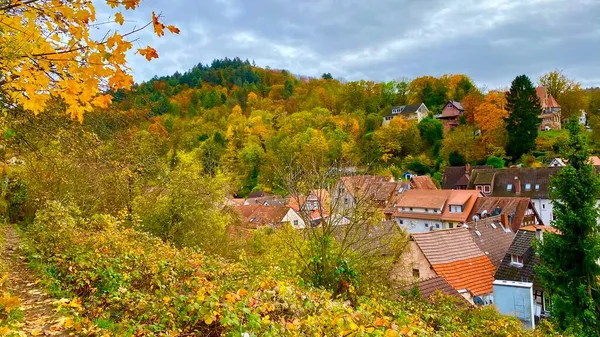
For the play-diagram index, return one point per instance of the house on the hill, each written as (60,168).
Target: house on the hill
(551,115)
(453,255)
(451,114)
(408,112)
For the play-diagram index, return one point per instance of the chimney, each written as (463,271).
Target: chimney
(504,220)
(517,186)
(467,169)
(539,234)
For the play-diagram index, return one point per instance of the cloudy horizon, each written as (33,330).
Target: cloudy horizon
(492,41)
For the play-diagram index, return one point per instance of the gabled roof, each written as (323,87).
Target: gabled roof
(454,255)
(436,200)
(467,198)
(447,245)
(521,246)
(546,99)
(454,174)
(427,287)
(492,238)
(484,178)
(456,104)
(271,200)
(423,183)
(515,207)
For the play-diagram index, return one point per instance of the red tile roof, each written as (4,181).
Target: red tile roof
(546,99)
(474,274)
(423,183)
(520,208)
(454,255)
(255,216)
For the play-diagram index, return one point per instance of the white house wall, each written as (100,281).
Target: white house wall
(418,225)
(295,219)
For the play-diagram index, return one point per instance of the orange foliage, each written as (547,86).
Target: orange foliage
(490,114)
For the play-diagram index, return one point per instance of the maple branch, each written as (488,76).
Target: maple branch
(9,7)
(135,30)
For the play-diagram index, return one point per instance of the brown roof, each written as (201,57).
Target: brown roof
(272,200)
(455,175)
(474,274)
(533,176)
(546,99)
(492,238)
(423,183)
(427,287)
(594,160)
(376,187)
(518,209)
(255,216)
(448,245)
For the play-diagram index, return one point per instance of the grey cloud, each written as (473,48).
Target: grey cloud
(490,40)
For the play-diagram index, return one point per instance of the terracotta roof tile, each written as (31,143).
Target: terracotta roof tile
(423,198)
(449,245)
(423,183)
(255,216)
(474,274)
(520,209)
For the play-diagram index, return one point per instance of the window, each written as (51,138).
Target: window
(426,225)
(295,223)
(543,206)
(516,260)
(537,187)
(411,209)
(509,187)
(486,189)
(416,273)
(451,226)
(401,222)
(456,209)
(437,225)
(426,209)
(527,187)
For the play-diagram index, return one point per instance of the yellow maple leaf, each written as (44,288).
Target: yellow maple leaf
(119,18)
(158,26)
(149,53)
(173,29)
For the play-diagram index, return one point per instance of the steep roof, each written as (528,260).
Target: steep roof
(520,246)
(467,198)
(518,208)
(474,274)
(454,174)
(448,245)
(492,238)
(546,99)
(423,183)
(454,255)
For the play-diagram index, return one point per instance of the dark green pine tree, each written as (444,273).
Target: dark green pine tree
(522,122)
(569,269)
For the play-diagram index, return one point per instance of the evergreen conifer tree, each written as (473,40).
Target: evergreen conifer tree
(569,269)
(522,122)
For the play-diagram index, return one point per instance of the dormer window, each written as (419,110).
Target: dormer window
(516,260)
(509,187)
(527,187)
(456,208)
(537,187)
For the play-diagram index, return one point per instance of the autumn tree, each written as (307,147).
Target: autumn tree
(570,269)
(523,107)
(462,142)
(556,83)
(567,92)
(46,50)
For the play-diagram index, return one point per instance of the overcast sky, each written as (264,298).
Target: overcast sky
(491,41)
